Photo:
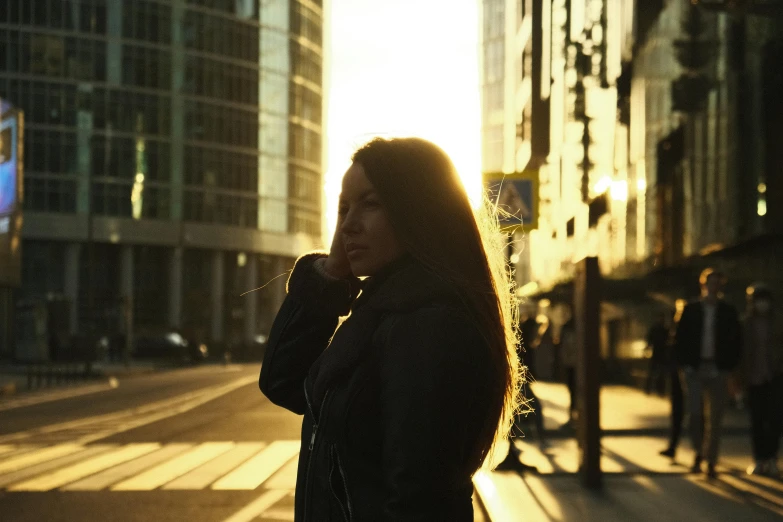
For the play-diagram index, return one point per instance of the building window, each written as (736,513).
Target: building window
(222,169)
(213,123)
(305,144)
(49,194)
(147,20)
(222,36)
(210,206)
(217,79)
(307,63)
(306,23)
(305,103)
(52,152)
(146,67)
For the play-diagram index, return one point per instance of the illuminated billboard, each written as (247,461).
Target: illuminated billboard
(11,169)
(8,164)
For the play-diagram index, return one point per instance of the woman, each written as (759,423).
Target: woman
(762,371)
(402,402)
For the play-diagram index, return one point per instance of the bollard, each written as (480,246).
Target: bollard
(587,316)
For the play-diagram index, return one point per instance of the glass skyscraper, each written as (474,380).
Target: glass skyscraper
(172,157)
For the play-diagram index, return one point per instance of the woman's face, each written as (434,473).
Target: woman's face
(369,240)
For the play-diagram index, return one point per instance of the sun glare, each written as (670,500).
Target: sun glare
(396,70)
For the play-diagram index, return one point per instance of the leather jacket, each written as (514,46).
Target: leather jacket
(392,399)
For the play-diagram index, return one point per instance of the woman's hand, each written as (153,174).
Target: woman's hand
(337,263)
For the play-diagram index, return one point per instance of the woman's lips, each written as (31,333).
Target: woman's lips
(352,250)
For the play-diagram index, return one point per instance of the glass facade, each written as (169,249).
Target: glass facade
(98,81)
(147,117)
(493,83)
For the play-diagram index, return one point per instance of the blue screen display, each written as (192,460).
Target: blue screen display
(8,172)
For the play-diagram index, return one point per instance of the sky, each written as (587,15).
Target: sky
(401,68)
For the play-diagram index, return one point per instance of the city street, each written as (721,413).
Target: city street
(197,444)
(203,444)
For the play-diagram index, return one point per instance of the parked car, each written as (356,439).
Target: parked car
(171,345)
(248,351)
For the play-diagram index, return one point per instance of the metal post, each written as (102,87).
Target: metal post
(587,303)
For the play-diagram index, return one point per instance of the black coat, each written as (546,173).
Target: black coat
(393,407)
(688,338)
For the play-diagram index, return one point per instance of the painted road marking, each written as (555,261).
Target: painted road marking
(37,399)
(85,468)
(178,466)
(116,474)
(41,455)
(258,506)
(89,429)
(285,477)
(205,475)
(49,465)
(255,471)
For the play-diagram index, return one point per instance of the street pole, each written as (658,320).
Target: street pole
(587,306)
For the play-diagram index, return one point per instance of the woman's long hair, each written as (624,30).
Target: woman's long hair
(429,210)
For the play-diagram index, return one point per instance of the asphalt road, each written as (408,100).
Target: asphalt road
(200,444)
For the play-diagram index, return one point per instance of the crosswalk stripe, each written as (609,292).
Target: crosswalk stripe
(18,449)
(258,506)
(178,466)
(41,455)
(6,448)
(84,468)
(82,452)
(278,515)
(208,473)
(113,475)
(255,471)
(285,478)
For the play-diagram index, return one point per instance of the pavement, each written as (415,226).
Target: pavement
(638,483)
(203,444)
(14,377)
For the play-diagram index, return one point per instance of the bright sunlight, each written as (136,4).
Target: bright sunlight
(402,68)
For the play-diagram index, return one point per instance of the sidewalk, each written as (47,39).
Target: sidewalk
(624,410)
(14,378)
(639,484)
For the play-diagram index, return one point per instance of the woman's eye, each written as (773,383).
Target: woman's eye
(372,203)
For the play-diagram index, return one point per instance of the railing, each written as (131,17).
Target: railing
(46,375)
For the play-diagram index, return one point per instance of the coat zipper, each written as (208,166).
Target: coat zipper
(310,447)
(345,484)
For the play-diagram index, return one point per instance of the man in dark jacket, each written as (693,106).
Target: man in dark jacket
(657,340)
(707,349)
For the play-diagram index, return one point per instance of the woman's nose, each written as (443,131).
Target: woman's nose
(350,224)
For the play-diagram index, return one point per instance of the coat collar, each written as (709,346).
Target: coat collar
(403,285)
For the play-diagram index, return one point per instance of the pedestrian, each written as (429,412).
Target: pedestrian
(762,373)
(528,329)
(403,401)
(657,340)
(568,358)
(676,393)
(529,332)
(708,350)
